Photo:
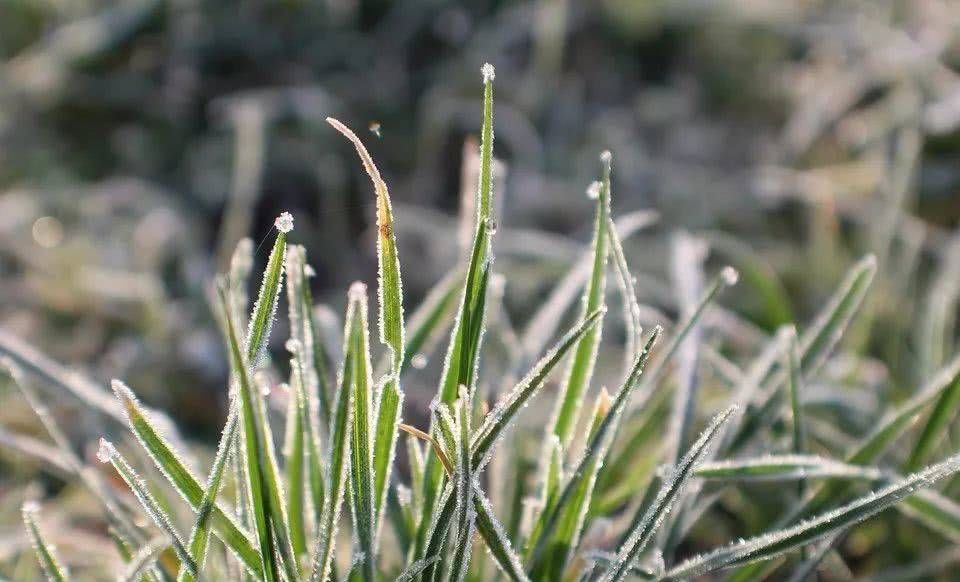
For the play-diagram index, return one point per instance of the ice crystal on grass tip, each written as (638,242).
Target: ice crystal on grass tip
(489,74)
(284,222)
(730,276)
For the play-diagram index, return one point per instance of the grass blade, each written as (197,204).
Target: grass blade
(466,335)
(465,514)
(580,370)
(642,532)
(49,562)
(628,292)
(256,460)
(509,405)
(941,416)
(109,454)
(564,521)
(773,544)
(784,468)
(183,479)
(361,439)
(338,454)
(200,534)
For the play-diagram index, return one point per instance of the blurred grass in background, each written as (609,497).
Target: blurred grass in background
(140,140)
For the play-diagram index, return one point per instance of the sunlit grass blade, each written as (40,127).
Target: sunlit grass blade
(496,539)
(564,521)
(784,468)
(183,479)
(389,408)
(506,409)
(628,292)
(265,308)
(466,335)
(773,544)
(642,532)
(362,502)
(109,454)
(144,559)
(580,370)
(308,378)
(49,562)
(255,453)
(338,459)
(200,534)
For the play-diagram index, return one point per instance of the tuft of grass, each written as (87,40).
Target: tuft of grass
(592,506)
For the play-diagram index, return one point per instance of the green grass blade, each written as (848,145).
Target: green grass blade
(510,404)
(183,480)
(255,454)
(628,292)
(642,532)
(784,468)
(338,455)
(265,308)
(580,370)
(361,438)
(389,407)
(109,454)
(309,377)
(390,289)
(941,416)
(294,453)
(796,382)
(496,539)
(564,521)
(200,534)
(49,562)
(467,330)
(773,544)
(465,514)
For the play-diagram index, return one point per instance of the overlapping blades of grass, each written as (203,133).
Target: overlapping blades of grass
(772,544)
(338,457)
(109,454)
(642,532)
(561,528)
(362,502)
(467,332)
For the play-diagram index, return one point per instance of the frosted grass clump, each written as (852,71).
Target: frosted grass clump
(549,504)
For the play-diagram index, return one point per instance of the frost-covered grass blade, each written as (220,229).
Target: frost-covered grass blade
(49,562)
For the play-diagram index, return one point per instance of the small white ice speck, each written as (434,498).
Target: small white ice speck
(488,72)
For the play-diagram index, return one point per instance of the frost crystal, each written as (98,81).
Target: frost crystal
(105,451)
(293,346)
(31,507)
(730,276)
(606,157)
(488,72)
(593,190)
(284,222)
